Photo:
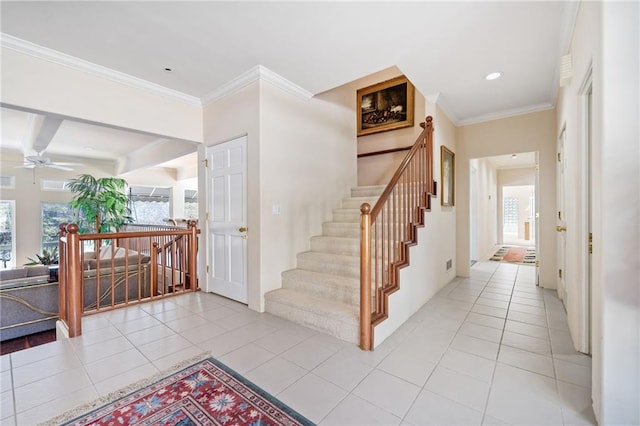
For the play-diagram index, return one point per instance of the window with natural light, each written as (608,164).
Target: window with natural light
(53,214)
(7,233)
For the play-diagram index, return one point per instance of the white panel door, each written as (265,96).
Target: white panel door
(227,223)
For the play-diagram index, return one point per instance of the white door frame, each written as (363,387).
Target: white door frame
(561,220)
(585,233)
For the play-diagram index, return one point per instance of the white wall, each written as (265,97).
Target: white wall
(302,158)
(620,224)
(231,117)
(524,133)
(606,42)
(37,84)
(308,164)
(486,208)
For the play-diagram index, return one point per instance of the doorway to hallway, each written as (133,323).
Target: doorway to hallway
(503,201)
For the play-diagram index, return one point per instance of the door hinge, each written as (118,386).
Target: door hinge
(537,263)
(559,157)
(206,162)
(559,215)
(207,216)
(590,242)
(207,269)
(559,273)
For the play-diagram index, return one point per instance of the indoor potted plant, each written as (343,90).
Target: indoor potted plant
(102,203)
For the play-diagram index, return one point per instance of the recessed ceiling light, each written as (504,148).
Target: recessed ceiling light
(167,69)
(493,75)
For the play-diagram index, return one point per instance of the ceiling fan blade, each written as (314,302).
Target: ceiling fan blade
(59,167)
(26,166)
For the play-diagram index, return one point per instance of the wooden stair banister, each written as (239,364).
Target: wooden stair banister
(132,277)
(388,229)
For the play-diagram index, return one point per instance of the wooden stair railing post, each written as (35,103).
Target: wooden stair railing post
(366,338)
(74,280)
(154,269)
(192,282)
(62,273)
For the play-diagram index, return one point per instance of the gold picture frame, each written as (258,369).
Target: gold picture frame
(447,177)
(385,106)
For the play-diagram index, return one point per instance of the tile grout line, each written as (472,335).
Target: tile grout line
(504,325)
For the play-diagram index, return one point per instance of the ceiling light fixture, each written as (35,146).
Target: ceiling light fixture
(493,75)
(514,155)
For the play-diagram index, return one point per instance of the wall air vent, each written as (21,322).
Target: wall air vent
(566,70)
(7,182)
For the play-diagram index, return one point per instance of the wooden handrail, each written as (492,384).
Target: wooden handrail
(388,229)
(384,151)
(128,275)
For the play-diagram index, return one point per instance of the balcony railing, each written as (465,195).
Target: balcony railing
(124,268)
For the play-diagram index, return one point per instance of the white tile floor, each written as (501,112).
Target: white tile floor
(490,349)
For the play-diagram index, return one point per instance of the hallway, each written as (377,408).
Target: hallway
(491,349)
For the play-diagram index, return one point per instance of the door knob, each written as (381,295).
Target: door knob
(561,228)
(242,229)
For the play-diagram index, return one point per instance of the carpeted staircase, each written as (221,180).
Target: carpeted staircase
(323,292)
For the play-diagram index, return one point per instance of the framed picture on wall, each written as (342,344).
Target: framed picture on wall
(385,106)
(447,177)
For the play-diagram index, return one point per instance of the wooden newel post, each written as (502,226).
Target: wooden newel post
(74,282)
(62,273)
(365,278)
(429,153)
(154,269)
(193,255)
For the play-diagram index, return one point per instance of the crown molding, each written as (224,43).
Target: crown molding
(438,100)
(506,114)
(50,55)
(254,74)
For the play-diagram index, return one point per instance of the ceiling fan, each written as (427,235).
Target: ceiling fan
(39,161)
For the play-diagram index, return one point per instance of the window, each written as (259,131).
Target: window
(149,205)
(7,233)
(8,182)
(47,184)
(53,214)
(190,204)
(510,217)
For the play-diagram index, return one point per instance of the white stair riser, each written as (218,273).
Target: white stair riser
(367,191)
(347,293)
(346,246)
(322,323)
(346,268)
(356,203)
(335,229)
(346,215)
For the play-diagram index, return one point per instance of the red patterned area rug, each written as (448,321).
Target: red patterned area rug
(515,254)
(205,393)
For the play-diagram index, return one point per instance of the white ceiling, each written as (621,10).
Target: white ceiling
(514,161)
(444,48)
